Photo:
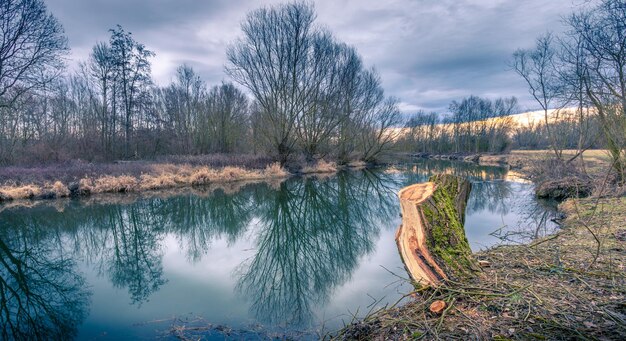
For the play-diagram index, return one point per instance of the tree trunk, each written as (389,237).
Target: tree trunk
(431,239)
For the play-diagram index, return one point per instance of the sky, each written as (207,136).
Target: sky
(427,52)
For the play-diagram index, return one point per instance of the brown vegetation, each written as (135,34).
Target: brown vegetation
(320,166)
(159,176)
(562,287)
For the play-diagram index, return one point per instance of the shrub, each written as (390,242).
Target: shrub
(275,170)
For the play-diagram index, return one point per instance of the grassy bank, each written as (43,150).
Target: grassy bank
(596,161)
(571,285)
(80,179)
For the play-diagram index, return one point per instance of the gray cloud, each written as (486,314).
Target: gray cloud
(428,52)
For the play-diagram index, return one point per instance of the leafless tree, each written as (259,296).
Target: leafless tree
(312,91)
(132,69)
(537,67)
(227,119)
(270,60)
(101,67)
(572,71)
(601,32)
(31,49)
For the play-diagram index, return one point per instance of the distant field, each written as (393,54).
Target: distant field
(597,155)
(597,161)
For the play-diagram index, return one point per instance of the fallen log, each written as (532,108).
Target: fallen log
(431,239)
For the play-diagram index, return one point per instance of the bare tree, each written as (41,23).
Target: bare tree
(101,66)
(537,67)
(602,34)
(572,73)
(377,136)
(227,118)
(270,60)
(31,48)
(133,74)
(183,101)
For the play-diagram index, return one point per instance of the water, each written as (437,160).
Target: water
(291,259)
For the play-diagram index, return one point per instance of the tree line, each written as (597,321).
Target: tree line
(303,94)
(481,125)
(474,125)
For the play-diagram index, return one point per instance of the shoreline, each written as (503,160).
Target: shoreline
(155,177)
(482,159)
(567,285)
(549,289)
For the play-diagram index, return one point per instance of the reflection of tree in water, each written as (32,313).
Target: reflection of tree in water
(421,170)
(535,221)
(311,236)
(41,294)
(134,253)
(126,241)
(505,197)
(494,196)
(197,221)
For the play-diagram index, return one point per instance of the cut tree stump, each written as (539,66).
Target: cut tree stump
(431,239)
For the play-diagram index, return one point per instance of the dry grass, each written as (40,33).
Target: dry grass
(160,181)
(276,171)
(596,160)
(563,287)
(111,184)
(60,190)
(159,176)
(19,192)
(321,166)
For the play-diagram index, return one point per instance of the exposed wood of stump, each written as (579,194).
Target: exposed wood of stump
(431,239)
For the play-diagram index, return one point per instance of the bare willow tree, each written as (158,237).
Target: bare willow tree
(364,131)
(319,119)
(537,67)
(377,136)
(602,35)
(312,91)
(271,61)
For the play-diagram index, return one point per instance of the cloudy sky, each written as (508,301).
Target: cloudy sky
(428,52)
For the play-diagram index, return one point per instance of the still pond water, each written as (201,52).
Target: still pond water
(290,259)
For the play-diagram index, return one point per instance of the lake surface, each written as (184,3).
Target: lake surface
(292,259)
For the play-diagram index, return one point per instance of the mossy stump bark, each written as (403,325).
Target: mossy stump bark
(431,239)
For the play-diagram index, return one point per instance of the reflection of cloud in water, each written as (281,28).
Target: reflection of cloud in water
(506,212)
